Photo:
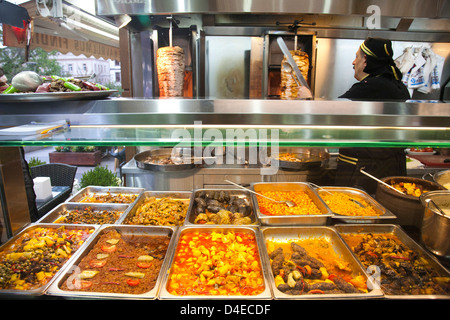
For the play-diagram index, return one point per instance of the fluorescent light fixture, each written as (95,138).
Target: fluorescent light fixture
(75,24)
(122,20)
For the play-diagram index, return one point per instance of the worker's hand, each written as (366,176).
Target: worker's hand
(304,93)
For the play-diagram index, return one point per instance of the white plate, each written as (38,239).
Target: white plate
(413,163)
(55,96)
(420,153)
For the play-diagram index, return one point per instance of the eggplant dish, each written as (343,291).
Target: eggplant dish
(310,266)
(119,263)
(219,207)
(403,271)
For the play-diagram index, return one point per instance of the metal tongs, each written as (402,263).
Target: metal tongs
(291,66)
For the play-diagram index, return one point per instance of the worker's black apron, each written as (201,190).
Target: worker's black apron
(379,162)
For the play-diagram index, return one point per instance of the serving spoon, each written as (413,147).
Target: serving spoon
(287,202)
(351,199)
(378,180)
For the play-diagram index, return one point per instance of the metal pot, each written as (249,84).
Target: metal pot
(407,208)
(443,178)
(142,160)
(435,230)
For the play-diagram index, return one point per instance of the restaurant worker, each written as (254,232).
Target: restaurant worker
(379,80)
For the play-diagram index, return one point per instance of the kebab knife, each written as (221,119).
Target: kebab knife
(291,61)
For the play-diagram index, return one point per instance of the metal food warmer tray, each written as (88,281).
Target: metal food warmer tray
(397,231)
(295,233)
(239,193)
(279,220)
(55,288)
(265,295)
(184,196)
(57,213)
(91,190)
(42,290)
(382,213)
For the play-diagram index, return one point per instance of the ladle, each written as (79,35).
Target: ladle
(287,202)
(382,182)
(437,207)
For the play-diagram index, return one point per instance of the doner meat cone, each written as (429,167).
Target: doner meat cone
(289,87)
(170,67)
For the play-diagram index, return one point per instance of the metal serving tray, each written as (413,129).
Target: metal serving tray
(280,220)
(178,195)
(91,190)
(406,240)
(383,213)
(41,290)
(265,295)
(58,211)
(190,218)
(55,288)
(288,234)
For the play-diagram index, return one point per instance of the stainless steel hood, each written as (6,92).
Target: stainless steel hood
(398,8)
(408,20)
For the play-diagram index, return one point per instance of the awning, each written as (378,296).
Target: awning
(12,14)
(78,32)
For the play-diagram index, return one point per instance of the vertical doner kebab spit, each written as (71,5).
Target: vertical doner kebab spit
(289,87)
(170,66)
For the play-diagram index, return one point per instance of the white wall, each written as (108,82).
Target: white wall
(105,70)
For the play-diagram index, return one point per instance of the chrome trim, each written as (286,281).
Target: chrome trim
(400,8)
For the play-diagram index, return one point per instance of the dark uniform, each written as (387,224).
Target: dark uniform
(382,84)
(377,88)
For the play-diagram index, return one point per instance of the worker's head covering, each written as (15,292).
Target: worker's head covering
(379,57)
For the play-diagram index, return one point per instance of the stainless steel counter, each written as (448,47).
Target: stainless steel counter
(211,176)
(152,122)
(214,176)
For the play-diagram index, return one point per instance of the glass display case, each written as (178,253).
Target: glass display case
(263,126)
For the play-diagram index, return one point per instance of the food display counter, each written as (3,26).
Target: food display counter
(166,123)
(202,86)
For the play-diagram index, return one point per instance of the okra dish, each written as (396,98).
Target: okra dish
(210,263)
(32,260)
(118,263)
(310,266)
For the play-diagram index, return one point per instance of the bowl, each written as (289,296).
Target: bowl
(442,178)
(407,208)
